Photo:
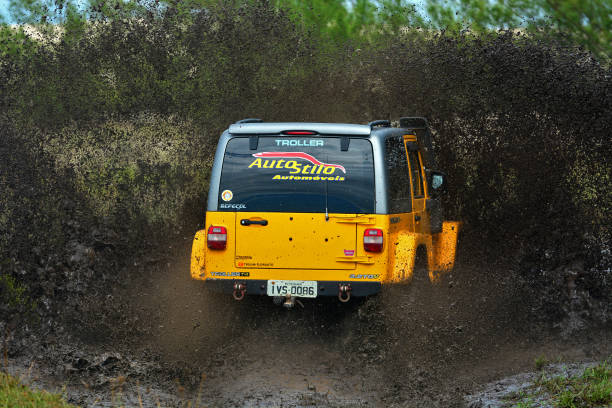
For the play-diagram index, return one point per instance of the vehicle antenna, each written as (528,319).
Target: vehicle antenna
(326,212)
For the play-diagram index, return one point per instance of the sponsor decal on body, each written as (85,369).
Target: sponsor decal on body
(230,274)
(361,276)
(255,264)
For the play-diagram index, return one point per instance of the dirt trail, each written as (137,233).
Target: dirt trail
(415,345)
(420,345)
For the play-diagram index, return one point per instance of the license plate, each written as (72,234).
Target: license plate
(292,288)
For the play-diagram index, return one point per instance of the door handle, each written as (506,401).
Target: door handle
(247,222)
(417,218)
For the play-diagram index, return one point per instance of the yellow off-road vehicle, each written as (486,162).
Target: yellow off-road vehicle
(321,209)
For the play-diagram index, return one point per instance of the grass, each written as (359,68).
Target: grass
(540,362)
(14,295)
(592,388)
(527,403)
(14,394)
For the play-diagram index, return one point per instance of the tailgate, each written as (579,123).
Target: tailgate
(294,241)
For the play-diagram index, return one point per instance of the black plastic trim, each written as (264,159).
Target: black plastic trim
(414,122)
(344,143)
(383,122)
(253,142)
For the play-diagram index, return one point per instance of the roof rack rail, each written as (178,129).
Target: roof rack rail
(414,122)
(250,120)
(385,123)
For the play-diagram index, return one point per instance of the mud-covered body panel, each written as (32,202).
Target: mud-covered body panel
(394,265)
(305,257)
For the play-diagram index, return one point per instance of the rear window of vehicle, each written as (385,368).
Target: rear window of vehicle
(297,175)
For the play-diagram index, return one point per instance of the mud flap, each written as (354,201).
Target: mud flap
(198,256)
(443,250)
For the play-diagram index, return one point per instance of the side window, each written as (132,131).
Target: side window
(399,176)
(417,175)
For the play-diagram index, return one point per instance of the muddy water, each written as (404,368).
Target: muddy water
(421,345)
(416,345)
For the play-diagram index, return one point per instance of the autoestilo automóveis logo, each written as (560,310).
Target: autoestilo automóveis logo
(294,162)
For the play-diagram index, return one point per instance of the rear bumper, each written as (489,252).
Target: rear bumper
(324,288)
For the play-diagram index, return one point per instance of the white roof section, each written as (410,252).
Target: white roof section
(279,127)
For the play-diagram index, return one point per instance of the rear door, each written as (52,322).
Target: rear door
(296,200)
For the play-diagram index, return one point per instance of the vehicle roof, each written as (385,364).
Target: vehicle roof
(323,129)
(279,127)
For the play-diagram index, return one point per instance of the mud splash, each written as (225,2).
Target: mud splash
(419,345)
(104,180)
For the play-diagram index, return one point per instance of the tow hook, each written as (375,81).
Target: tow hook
(290,301)
(239,291)
(344,292)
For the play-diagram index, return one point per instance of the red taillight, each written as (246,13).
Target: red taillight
(216,237)
(299,132)
(373,240)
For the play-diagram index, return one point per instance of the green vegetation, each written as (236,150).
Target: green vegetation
(12,293)
(356,20)
(592,388)
(540,362)
(14,394)
(145,169)
(14,296)
(588,24)
(526,403)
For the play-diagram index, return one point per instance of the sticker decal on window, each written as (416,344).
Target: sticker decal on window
(233,206)
(318,171)
(227,195)
(304,142)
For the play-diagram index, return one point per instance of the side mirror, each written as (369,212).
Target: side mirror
(438,180)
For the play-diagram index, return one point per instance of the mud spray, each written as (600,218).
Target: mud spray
(106,150)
